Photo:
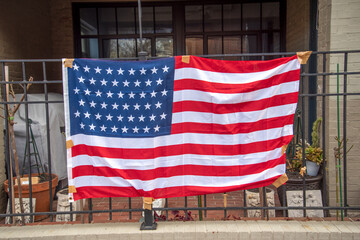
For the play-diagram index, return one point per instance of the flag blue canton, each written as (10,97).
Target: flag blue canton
(121,99)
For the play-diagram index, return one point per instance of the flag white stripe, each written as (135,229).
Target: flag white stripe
(184,138)
(232,98)
(237,117)
(189,180)
(172,161)
(234,78)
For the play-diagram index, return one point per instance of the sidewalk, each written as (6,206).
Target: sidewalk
(191,230)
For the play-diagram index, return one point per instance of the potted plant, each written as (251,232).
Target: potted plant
(40,181)
(313,152)
(299,173)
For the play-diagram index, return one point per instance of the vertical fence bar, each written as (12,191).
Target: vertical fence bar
(90,208)
(245,205)
(48,138)
(7,147)
(186,207)
(166,206)
(205,211)
(344,131)
(324,190)
(130,215)
(110,208)
(27,141)
(303,136)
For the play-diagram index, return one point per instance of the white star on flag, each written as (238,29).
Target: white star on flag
(154,70)
(109,71)
(76,67)
(142,71)
(165,69)
(120,71)
(86,68)
(131,72)
(97,70)
(114,129)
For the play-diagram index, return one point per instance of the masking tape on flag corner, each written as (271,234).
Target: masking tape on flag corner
(148,203)
(185,59)
(283,149)
(72,189)
(69,144)
(68,62)
(281,180)
(303,56)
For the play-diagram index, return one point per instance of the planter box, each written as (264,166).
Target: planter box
(40,191)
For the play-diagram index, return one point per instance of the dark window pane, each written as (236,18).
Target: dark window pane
(271,15)
(194,46)
(89,48)
(110,48)
(232,17)
(88,24)
(214,45)
(127,48)
(271,42)
(164,46)
(232,44)
(249,44)
(193,18)
(147,20)
(126,20)
(107,24)
(251,16)
(163,19)
(146,45)
(212,15)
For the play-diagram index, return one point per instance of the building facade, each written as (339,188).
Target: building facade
(42,29)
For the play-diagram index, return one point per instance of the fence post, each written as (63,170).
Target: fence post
(149,222)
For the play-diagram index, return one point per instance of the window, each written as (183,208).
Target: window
(110,30)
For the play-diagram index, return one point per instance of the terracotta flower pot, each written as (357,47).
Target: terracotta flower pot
(40,191)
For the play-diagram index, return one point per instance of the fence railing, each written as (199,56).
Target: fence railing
(316,99)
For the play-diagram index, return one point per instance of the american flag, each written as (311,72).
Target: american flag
(177,126)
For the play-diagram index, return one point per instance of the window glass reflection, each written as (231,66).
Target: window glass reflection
(251,16)
(127,48)
(110,48)
(126,20)
(212,18)
(164,46)
(88,23)
(163,20)
(107,21)
(194,45)
(193,18)
(89,48)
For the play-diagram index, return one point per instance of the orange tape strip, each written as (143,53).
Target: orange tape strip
(72,189)
(69,144)
(68,62)
(303,56)
(148,203)
(281,180)
(185,59)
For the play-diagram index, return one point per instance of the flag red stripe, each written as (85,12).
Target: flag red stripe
(211,128)
(224,66)
(200,85)
(196,106)
(104,191)
(181,149)
(166,172)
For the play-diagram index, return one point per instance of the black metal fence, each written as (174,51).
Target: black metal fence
(316,92)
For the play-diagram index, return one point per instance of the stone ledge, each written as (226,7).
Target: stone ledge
(190,230)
